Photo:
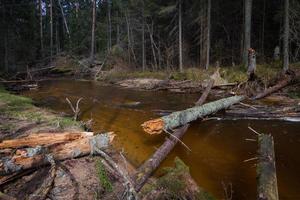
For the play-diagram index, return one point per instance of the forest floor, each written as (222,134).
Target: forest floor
(82,178)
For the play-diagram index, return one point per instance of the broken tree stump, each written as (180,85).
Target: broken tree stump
(145,171)
(32,157)
(181,118)
(39,139)
(266,169)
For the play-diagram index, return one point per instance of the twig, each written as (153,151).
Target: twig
(250,159)
(247,105)
(178,140)
(75,111)
(254,131)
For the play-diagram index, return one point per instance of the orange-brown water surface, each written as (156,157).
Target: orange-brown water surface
(218,147)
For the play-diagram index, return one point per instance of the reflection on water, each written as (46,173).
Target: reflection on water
(218,147)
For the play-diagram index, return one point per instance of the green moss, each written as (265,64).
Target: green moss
(103,177)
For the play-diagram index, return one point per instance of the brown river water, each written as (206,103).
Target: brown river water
(219,147)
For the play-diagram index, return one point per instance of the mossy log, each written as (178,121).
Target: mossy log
(266,169)
(181,118)
(145,171)
(33,140)
(33,157)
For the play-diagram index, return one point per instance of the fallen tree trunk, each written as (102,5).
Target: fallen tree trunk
(151,164)
(266,169)
(180,118)
(40,139)
(32,157)
(277,87)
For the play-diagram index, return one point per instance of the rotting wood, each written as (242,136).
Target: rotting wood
(145,171)
(266,169)
(21,160)
(40,139)
(180,118)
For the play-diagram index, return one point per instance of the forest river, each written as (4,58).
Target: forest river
(219,147)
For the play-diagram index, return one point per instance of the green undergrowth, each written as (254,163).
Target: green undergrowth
(22,108)
(174,183)
(103,177)
(238,74)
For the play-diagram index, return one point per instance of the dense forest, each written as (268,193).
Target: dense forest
(149,35)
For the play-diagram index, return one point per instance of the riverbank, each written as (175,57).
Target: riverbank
(20,118)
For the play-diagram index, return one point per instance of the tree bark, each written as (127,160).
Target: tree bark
(41,29)
(109,24)
(180,118)
(208,33)
(51,30)
(247,30)
(286,36)
(145,171)
(180,35)
(73,149)
(143,38)
(93,32)
(266,169)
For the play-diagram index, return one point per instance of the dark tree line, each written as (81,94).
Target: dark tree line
(149,35)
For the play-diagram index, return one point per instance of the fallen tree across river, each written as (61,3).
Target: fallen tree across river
(145,171)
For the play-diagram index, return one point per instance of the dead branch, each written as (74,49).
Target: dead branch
(76,110)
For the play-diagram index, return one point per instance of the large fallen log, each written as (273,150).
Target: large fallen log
(266,169)
(34,157)
(145,171)
(43,139)
(285,82)
(180,118)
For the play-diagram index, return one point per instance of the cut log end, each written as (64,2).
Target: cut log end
(154,127)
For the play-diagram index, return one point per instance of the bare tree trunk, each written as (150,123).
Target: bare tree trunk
(208,33)
(180,36)
(41,29)
(286,36)
(57,38)
(5,38)
(143,39)
(118,28)
(152,46)
(247,30)
(180,118)
(128,35)
(263,31)
(64,18)
(109,24)
(93,32)
(51,30)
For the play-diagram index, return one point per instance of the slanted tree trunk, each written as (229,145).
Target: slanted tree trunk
(208,33)
(180,118)
(180,35)
(93,32)
(247,30)
(266,169)
(41,29)
(145,171)
(286,36)
(51,30)
(64,18)
(118,28)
